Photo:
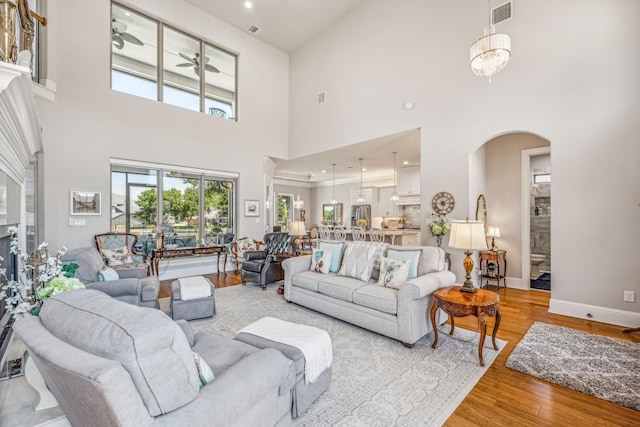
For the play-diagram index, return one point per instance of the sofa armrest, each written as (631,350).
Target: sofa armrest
(251,255)
(117,288)
(292,266)
(426,284)
(236,391)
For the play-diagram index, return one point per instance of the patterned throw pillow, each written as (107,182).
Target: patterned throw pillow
(321,260)
(117,256)
(107,274)
(413,255)
(246,245)
(336,258)
(358,261)
(393,273)
(205,374)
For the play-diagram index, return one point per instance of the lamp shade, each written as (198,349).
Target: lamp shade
(467,235)
(297,228)
(493,231)
(490,53)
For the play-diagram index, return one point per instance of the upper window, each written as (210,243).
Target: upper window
(195,75)
(542,178)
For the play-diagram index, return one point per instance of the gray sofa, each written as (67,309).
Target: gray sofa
(399,314)
(115,364)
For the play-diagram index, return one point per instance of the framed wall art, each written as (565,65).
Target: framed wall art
(251,208)
(86,202)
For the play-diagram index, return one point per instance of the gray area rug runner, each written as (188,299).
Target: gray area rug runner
(603,367)
(376,381)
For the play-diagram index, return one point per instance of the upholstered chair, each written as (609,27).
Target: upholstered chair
(240,246)
(264,267)
(131,285)
(119,251)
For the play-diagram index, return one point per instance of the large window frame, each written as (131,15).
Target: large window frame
(159,190)
(216,99)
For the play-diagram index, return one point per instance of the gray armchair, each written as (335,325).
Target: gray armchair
(264,267)
(114,364)
(133,285)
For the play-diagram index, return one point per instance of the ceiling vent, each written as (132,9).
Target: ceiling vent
(254,29)
(321,97)
(502,13)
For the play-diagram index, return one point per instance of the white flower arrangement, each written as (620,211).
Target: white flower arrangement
(36,271)
(439,226)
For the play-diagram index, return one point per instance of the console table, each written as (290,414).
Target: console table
(216,250)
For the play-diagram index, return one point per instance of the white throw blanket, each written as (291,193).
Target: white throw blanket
(314,343)
(194,287)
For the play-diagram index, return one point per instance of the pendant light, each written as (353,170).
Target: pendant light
(298,203)
(361,198)
(394,195)
(490,53)
(333,200)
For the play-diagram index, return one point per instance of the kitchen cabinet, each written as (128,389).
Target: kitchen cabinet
(385,206)
(409,180)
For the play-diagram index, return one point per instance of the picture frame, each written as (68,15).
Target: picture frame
(85,202)
(251,208)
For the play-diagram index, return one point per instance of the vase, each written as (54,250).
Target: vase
(439,239)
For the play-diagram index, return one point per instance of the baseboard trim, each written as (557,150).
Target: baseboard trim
(596,313)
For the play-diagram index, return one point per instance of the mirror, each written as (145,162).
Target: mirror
(332,214)
(481,211)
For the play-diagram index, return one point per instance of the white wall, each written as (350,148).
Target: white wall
(573,80)
(88,123)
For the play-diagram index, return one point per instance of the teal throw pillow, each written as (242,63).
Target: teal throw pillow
(336,249)
(401,255)
(205,374)
(393,273)
(107,274)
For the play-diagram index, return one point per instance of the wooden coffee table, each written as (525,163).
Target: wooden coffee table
(461,304)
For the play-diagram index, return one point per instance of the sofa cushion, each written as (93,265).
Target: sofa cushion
(412,255)
(307,280)
(337,249)
(148,344)
(321,260)
(377,297)
(431,260)
(106,274)
(361,258)
(339,287)
(394,273)
(117,256)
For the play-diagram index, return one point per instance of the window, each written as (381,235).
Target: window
(193,205)
(195,75)
(285,210)
(542,178)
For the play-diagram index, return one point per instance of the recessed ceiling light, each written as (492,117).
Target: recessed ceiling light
(406,162)
(408,105)
(364,169)
(324,171)
(248,4)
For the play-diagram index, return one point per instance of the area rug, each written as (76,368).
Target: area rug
(376,381)
(543,282)
(603,367)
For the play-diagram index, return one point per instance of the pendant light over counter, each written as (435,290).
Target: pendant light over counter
(361,199)
(394,195)
(333,200)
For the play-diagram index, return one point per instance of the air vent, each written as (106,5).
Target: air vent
(321,97)
(502,13)
(254,29)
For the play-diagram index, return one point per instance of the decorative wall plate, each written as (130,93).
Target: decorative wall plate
(443,203)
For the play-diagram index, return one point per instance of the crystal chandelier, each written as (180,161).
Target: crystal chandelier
(360,198)
(298,203)
(490,53)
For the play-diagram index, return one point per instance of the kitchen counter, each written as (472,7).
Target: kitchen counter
(398,236)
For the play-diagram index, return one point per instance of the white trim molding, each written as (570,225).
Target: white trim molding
(596,313)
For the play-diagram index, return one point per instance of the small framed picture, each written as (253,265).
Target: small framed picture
(251,208)
(86,203)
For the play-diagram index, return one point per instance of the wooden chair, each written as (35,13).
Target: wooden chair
(376,235)
(358,234)
(120,251)
(313,235)
(325,232)
(240,246)
(339,233)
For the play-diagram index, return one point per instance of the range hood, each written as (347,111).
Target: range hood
(408,200)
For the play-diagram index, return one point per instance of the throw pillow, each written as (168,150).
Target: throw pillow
(246,245)
(321,260)
(358,261)
(413,256)
(336,249)
(106,274)
(394,273)
(205,374)
(118,256)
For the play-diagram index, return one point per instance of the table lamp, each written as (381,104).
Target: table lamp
(467,235)
(297,230)
(493,232)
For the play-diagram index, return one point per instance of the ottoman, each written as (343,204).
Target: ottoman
(192,298)
(304,393)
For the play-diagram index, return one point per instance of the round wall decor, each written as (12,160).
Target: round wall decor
(443,203)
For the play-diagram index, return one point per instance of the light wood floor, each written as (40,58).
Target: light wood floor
(504,397)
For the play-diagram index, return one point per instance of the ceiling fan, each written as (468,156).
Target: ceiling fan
(195,63)
(119,35)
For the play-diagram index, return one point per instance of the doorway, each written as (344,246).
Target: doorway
(536,218)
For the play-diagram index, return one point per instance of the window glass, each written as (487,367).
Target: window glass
(542,178)
(220,79)
(218,202)
(285,210)
(134,53)
(182,65)
(181,207)
(134,201)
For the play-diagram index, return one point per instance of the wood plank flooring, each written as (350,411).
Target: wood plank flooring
(504,397)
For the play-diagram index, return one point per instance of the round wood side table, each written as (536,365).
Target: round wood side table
(461,304)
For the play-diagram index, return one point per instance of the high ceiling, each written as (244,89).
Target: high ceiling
(285,24)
